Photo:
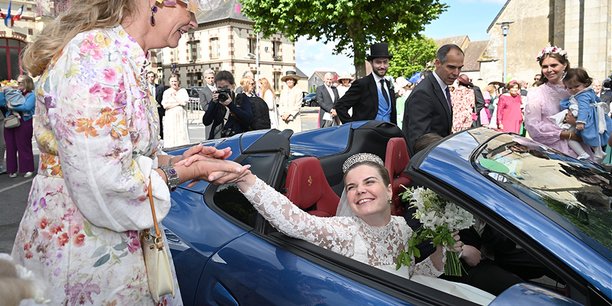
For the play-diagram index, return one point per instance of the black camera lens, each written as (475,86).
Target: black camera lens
(223,96)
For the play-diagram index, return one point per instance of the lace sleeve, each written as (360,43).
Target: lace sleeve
(332,233)
(427,268)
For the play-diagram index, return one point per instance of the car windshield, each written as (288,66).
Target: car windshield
(573,193)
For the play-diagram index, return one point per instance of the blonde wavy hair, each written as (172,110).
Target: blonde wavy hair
(82,16)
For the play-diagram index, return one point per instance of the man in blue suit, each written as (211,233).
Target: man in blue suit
(428,109)
(372,96)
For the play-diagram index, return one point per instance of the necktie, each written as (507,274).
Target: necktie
(448,98)
(384,91)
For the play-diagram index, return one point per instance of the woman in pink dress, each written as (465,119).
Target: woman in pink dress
(509,113)
(544,102)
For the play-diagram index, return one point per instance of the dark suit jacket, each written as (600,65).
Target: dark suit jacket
(159,93)
(362,96)
(239,119)
(325,101)
(426,111)
(205,95)
(480,102)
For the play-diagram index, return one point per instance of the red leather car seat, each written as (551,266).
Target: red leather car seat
(396,160)
(308,188)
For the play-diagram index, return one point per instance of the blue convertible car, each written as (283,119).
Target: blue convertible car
(555,208)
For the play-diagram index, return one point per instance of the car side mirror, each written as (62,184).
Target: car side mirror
(529,294)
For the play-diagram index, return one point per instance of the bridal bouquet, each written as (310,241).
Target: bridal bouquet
(440,220)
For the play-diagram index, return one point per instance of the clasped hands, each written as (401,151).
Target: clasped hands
(209,164)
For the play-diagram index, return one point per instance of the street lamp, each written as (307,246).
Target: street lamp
(505,26)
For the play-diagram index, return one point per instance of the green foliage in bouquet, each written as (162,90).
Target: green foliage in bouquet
(440,219)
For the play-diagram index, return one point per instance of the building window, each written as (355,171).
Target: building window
(194,51)
(277,77)
(10,61)
(252,45)
(193,47)
(214,48)
(276,52)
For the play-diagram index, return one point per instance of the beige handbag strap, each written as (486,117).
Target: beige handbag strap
(150,195)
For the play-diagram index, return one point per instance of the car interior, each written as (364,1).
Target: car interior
(315,185)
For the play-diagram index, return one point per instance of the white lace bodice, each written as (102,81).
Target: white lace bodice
(348,236)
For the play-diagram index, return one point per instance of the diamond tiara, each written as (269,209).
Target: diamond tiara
(360,158)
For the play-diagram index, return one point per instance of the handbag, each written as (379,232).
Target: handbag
(11,121)
(157,261)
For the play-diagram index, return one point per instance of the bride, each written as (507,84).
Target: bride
(372,236)
(368,234)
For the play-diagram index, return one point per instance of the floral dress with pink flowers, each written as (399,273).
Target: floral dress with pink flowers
(97,130)
(463,100)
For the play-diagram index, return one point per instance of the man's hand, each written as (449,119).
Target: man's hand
(580,126)
(471,255)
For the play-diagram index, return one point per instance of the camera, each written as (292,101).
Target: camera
(224,94)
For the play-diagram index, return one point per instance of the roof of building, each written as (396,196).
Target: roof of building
(473,55)
(473,50)
(300,73)
(462,41)
(223,10)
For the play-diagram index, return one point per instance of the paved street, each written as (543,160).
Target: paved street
(14,191)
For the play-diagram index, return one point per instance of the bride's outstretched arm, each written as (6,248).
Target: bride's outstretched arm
(330,233)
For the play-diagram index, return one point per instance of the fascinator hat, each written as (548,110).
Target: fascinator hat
(192,5)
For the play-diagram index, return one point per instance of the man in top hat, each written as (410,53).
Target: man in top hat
(289,103)
(371,97)
(429,109)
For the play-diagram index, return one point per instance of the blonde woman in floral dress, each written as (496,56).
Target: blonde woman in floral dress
(97,132)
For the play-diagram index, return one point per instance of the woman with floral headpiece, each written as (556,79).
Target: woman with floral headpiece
(544,102)
(100,159)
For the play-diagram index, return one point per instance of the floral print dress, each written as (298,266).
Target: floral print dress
(97,130)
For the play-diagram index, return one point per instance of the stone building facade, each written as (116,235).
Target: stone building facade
(15,36)
(583,28)
(225,40)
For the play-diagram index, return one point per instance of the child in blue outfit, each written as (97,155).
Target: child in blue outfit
(592,123)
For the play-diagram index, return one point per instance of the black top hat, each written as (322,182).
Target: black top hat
(379,50)
(290,75)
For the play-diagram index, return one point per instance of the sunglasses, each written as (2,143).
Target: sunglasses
(192,5)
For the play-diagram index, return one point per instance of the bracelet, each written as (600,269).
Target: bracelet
(172,179)
(570,136)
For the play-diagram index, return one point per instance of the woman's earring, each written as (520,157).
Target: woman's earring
(390,202)
(153,11)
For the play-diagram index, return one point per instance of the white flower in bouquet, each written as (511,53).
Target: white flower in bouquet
(440,219)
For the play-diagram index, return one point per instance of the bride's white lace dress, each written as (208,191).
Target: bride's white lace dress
(349,236)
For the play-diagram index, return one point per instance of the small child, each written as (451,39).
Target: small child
(559,119)
(592,123)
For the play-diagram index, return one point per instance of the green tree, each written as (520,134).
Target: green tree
(351,24)
(411,55)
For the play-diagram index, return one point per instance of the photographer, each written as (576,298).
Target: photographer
(228,113)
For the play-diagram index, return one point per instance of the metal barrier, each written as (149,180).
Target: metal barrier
(194,111)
